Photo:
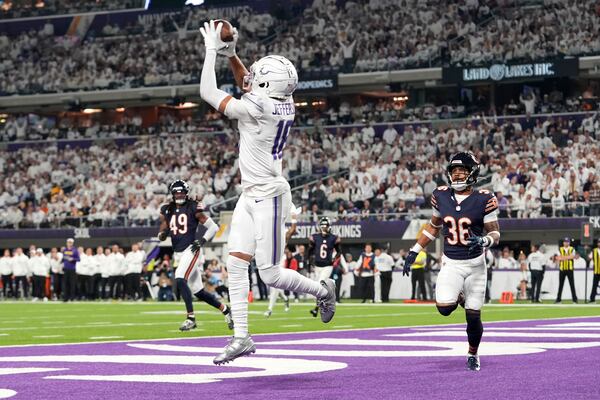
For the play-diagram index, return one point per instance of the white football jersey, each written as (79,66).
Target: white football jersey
(264,124)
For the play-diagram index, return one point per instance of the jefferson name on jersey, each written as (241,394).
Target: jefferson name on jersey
(463,219)
(182,223)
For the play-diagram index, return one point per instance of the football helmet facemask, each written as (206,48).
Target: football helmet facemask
(468,161)
(179,189)
(324,225)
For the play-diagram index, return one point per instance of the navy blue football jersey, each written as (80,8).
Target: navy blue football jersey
(182,223)
(324,246)
(462,220)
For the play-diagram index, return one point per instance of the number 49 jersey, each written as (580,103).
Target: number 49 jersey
(182,223)
(463,219)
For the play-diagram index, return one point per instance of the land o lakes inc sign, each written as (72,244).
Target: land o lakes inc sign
(503,72)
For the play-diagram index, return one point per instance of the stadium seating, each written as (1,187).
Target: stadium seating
(167,50)
(543,166)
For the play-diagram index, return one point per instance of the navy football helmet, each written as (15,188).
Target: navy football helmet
(468,161)
(324,225)
(179,189)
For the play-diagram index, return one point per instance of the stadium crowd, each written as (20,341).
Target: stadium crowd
(38,8)
(331,36)
(537,166)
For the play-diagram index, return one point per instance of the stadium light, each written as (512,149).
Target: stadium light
(91,110)
(185,105)
(120,109)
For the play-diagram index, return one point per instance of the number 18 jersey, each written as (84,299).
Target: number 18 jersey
(463,219)
(264,124)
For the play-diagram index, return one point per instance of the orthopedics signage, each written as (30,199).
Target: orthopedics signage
(326,83)
(508,71)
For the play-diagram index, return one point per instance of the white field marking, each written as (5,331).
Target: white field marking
(259,366)
(461,324)
(532,335)
(90,326)
(47,336)
(178,331)
(106,337)
(6,393)
(436,349)
(13,371)
(291,326)
(52,322)
(343,326)
(3,334)
(513,329)
(577,324)
(99,323)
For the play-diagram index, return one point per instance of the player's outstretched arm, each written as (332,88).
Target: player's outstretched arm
(429,233)
(211,228)
(208,79)
(239,70)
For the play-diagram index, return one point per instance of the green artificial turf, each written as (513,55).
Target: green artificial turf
(55,322)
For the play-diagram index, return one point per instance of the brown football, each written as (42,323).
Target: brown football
(226,31)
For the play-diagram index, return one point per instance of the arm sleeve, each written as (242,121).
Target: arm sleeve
(434,202)
(208,81)
(211,229)
(234,109)
(491,205)
(76,255)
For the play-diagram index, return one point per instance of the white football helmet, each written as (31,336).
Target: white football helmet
(273,76)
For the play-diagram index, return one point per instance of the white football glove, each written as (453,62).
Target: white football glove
(211,34)
(227,49)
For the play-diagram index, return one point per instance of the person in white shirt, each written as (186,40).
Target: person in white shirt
(537,265)
(84,269)
(390,135)
(6,271)
(20,272)
(134,264)
(56,269)
(40,270)
(384,263)
(506,261)
(96,275)
(116,260)
(103,263)
(265,114)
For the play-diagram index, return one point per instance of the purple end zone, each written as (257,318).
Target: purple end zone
(543,359)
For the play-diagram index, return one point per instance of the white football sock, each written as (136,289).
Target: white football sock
(288,279)
(273,298)
(239,286)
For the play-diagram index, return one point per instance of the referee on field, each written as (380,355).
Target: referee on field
(595,261)
(566,263)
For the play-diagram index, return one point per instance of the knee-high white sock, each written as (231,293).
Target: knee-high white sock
(273,298)
(288,279)
(239,286)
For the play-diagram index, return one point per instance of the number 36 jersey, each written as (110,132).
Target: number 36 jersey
(463,216)
(182,223)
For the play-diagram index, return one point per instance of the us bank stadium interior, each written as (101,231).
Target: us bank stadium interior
(101,115)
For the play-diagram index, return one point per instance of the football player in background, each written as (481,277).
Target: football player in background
(180,219)
(324,244)
(265,114)
(469,219)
